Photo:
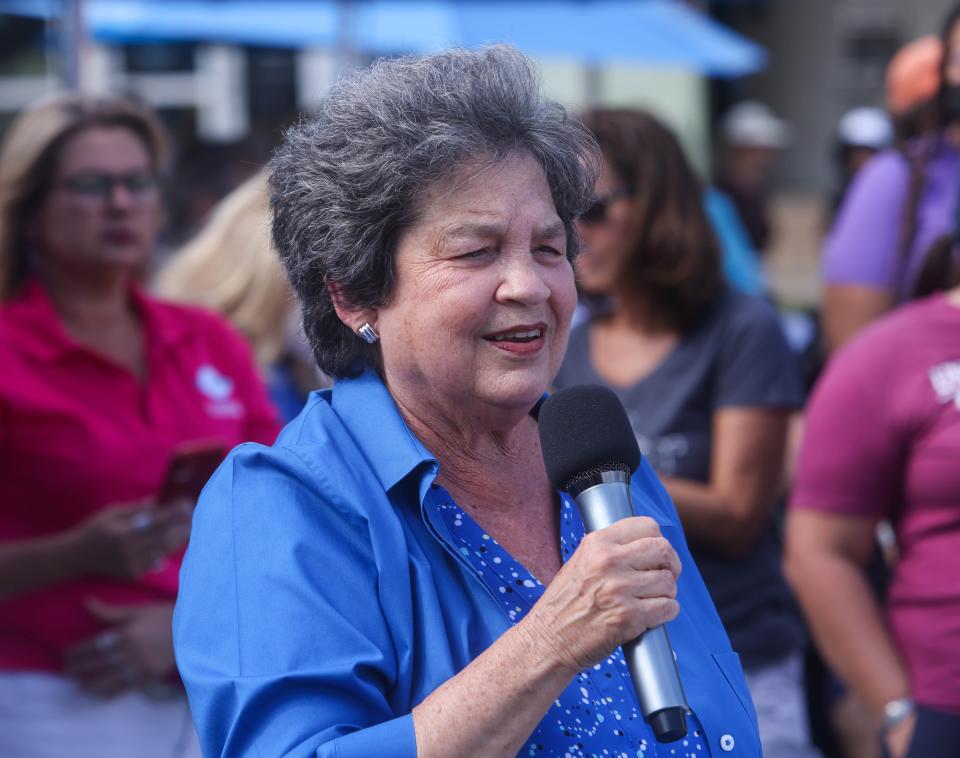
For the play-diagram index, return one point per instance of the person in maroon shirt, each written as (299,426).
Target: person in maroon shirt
(101,386)
(882,441)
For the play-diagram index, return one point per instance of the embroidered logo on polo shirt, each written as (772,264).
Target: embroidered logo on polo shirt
(945,379)
(218,390)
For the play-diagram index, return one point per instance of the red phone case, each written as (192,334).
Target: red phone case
(191,465)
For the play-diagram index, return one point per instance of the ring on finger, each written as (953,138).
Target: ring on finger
(142,521)
(106,640)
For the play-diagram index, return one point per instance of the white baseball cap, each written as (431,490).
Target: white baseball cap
(866,127)
(750,123)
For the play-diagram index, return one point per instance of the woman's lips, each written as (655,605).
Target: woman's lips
(119,237)
(526,339)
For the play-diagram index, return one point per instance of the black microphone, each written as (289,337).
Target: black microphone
(590,451)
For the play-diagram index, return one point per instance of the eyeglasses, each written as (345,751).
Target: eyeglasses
(99,187)
(597,212)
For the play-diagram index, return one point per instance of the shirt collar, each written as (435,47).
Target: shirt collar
(164,323)
(369,412)
(46,338)
(38,329)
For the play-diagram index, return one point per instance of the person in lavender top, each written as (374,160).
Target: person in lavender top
(396,576)
(882,249)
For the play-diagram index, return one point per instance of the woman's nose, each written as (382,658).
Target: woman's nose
(120,196)
(523,281)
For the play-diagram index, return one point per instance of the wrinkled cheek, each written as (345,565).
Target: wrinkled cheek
(422,349)
(558,349)
(563,296)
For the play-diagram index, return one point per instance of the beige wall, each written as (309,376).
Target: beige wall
(677,97)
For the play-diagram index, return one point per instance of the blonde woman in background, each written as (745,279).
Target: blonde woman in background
(232,268)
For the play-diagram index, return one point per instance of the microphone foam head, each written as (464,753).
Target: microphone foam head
(584,430)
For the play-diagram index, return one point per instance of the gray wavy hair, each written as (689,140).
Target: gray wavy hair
(346,182)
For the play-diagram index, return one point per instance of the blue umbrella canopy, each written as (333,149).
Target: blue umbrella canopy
(658,32)
(374,27)
(654,32)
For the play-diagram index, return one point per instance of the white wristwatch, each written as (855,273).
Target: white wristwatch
(896,711)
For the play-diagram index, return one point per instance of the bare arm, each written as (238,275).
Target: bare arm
(730,512)
(35,564)
(468,716)
(122,542)
(795,427)
(848,308)
(825,558)
(618,583)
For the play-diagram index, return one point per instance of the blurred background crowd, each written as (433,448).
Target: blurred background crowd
(769,281)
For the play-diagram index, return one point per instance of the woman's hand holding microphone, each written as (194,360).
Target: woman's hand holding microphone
(620,582)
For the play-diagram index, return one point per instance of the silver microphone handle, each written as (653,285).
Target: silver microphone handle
(654,672)
(650,657)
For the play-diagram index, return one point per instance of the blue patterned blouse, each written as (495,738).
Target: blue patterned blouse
(329,588)
(598,714)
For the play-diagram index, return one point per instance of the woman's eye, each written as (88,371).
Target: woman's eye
(549,249)
(476,253)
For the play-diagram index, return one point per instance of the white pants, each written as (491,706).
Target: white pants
(45,715)
(778,695)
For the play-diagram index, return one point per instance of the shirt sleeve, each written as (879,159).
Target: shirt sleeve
(851,457)
(756,368)
(864,242)
(279,634)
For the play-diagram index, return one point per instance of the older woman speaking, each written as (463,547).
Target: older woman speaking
(396,576)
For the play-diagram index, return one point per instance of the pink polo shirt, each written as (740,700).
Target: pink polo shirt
(882,439)
(79,432)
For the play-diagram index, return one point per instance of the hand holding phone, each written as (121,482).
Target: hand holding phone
(191,465)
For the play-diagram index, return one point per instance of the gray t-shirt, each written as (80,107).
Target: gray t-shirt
(737,357)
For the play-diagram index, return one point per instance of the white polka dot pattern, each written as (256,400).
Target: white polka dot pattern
(597,715)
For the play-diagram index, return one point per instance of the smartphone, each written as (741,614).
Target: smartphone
(191,465)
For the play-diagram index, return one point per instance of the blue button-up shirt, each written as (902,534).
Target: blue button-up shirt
(325,593)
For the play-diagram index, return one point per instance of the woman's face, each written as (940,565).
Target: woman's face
(102,208)
(605,235)
(483,296)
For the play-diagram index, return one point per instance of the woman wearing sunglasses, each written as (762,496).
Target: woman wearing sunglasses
(708,382)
